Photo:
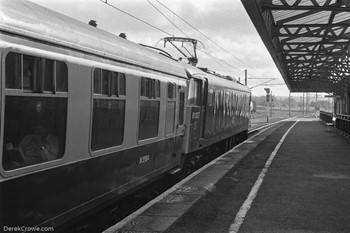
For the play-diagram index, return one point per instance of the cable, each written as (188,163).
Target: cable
(203,34)
(211,56)
(167,18)
(105,2)
(217,60)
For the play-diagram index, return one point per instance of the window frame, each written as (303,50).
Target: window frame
(171,87)
(106,96)
(182,108)
(25,93)
(195,92)
(149,97)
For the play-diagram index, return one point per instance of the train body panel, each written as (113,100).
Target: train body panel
(80,86)
(51,196)
(98,116)
(217,109)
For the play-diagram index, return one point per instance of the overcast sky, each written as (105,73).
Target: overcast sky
(224,21)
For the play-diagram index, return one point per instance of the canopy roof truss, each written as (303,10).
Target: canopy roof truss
(308,41)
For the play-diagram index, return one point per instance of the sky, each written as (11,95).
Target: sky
(223,26)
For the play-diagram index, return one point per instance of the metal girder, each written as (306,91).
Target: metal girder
(301,47)
(324,31)
(313,5)
(308,40)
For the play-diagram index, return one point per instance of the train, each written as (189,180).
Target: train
(88,117)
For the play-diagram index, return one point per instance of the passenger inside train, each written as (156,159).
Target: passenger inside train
(36,147)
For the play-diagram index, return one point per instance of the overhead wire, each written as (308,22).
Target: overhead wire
(167,18)
(169,34)
(207,37)
(220,63)
(211,56)
(169,21)
(116,8)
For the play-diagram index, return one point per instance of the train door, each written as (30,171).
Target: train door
(204,100)
(196,112)
(180,123)
(172,124)
(180,128)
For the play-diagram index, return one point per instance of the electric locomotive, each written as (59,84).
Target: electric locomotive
(88,117)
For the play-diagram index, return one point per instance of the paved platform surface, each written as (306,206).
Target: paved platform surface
(306,188)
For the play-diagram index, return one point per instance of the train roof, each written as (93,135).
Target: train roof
(30,20)
(216,80)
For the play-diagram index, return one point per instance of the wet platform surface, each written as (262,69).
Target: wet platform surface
(306,188)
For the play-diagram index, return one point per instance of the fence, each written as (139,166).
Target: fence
(342,122)
(326,117)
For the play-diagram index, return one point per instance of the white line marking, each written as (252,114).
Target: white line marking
(273,123)
(138,212)
(234,228)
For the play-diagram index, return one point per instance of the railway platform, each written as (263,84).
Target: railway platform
(291,177)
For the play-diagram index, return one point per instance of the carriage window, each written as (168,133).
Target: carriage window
(171,90)
(181,107)
(97,81)
(35,74)
(49,75)
(150,88)
(121,84)
(108,109)
(61,77)
(149,108)
(30,70)
(13,71)
(114,84)
(149,119)
(170,109)
(105,83)
(211,97)
(35,124)
(107,123)
(118,84)
(194,93)
(157,88)
(170,117)
(144,87)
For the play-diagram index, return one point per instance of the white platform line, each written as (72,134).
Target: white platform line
(234,228)
(138,212)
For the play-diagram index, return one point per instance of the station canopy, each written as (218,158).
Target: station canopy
(308,41)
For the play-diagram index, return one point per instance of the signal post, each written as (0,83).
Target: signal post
(267,103)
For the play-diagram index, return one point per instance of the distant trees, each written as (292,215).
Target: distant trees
(322,104)
(295,102)
(276,101)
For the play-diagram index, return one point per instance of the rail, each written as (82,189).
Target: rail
(342,124)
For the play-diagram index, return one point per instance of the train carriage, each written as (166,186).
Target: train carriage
(217,111)
(88,117)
